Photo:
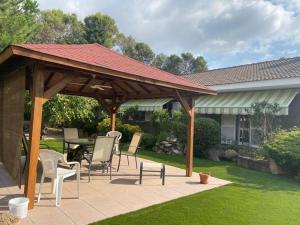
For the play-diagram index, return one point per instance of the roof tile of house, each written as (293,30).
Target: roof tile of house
(269,70)
(98,55)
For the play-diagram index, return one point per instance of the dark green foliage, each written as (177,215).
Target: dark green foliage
(180,65)
(161,121)
(69,111)
(148,141)
(58,27)
(136,50)
(104,125)
(101,29)
(207,135)
(284,148)
(17,21)
(127,130)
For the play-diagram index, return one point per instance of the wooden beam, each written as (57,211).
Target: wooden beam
(35,132)
(47,82)
(189,107)
(57,88)
(190,138)
(88,82)
(145,88)
(183,102)
(132,87)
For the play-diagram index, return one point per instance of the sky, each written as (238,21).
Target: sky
(226,32)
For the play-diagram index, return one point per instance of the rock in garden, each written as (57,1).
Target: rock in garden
(230,154)
(213,155)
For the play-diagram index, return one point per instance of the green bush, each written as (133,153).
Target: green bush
(104,126)
(207,135)
(148,141)
(284,148)
(162,136)
(127,130)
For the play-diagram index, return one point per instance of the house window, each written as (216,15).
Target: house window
(244,130)
(248,134)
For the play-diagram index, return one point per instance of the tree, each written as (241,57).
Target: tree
(180,65)
(17,21)
(101,29)
(144,53)
(159,61)
(192,65)
(173,64)
(136,50)
(58,27)
(263,116)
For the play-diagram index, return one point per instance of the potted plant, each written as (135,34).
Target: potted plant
(204,177)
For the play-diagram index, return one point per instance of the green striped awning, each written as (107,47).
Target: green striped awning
(238,102)
(146,104)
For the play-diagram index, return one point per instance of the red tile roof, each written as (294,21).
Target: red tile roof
(95,54)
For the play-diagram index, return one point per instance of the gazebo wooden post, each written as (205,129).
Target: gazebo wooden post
(189,107)
(35,132)
(111,109)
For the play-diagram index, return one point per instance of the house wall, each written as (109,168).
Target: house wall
(293,119)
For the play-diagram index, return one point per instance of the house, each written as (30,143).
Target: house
(276,81)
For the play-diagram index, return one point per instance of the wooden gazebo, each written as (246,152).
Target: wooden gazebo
(89,70)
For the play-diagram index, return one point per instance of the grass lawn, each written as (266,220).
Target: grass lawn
(254,198)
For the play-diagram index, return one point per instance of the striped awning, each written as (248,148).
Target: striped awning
(147,104)
(240,102)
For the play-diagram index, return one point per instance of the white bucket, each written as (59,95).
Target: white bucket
(18,207)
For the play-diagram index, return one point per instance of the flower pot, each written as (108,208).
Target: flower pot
(204,176)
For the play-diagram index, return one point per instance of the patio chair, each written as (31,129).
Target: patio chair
(70,133)
(103,153)
(132,149)
(26,150)
(118,136)
(50,160)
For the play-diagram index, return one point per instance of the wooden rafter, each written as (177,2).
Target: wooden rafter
(50,92)
(132,87)
(48,80)
(86,84)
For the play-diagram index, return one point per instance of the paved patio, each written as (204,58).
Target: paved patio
(102,198)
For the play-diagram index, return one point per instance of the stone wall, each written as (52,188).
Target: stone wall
(255,164)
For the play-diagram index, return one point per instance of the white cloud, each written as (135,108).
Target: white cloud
(203,27)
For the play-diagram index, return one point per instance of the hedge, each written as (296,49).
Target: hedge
(284,148)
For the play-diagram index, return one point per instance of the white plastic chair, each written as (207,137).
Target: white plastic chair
(50,160)
(118,136)
(70,133)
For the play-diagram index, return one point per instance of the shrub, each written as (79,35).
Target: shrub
(127,130)
(161,120)
(162,136)
(207,135)
(104,126)
(284,148)
(148,141)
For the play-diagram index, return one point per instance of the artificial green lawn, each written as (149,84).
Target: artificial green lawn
(253,198)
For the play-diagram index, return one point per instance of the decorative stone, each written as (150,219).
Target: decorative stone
(170,146)
(275,168)
(230,154)
(213,155)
